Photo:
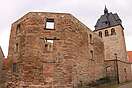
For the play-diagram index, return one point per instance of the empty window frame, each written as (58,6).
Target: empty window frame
(49,44)
(18,28)
(113,32)
(92,54)
(16,48)
(106,33)
(100,34)
(91,38)
(50,24)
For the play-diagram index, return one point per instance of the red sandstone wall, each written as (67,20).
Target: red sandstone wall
(70,61)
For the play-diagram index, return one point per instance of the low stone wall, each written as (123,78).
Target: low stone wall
(123,74)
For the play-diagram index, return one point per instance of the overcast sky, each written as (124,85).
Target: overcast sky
(87,11)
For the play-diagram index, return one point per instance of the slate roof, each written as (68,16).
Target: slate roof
(108,20)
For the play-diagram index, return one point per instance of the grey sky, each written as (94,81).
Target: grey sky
(87,11)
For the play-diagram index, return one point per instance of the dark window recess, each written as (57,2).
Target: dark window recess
(50,24)
(91,52)
(16,47)
(106,22)
(14,67)
(100,34)
(91,39)
(125,70)
(113,32)
(46,45)
(106,33)
(18,28)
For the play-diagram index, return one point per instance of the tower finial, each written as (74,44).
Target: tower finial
(105,10)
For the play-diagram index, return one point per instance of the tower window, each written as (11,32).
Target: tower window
(106,33)
(100,34)
(49,44)
(113,31)
(18,29)
(50,24)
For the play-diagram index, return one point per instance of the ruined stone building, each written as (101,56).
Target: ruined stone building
(56,50)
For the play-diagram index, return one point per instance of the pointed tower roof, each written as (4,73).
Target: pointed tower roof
(105,10)
(107,20)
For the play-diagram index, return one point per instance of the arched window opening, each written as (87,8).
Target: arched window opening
(113,32)
(18,29)
(100,34)
(106,33)
(16,48)
(92,54)
(91,38)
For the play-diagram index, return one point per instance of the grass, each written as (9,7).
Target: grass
(108,86)
(113,85)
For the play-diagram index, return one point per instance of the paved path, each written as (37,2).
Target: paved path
(127,85)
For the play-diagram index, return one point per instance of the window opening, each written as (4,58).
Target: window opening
(100,34)
(113,31)
(106,33)
(50,24)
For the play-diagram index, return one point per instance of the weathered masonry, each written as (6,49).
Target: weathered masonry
(56,50)
(109,28)
(53,50)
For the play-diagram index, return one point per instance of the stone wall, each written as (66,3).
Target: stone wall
(111,69)
(118,70)
(115,48)
(125,73)
(114,43)
(76,57)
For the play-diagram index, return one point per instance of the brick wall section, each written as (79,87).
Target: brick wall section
(67,65)
(124,70)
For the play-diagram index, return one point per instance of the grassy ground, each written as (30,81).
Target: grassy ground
(108,86)
(112,85)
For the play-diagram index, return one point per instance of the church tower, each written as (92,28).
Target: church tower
(109,28)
